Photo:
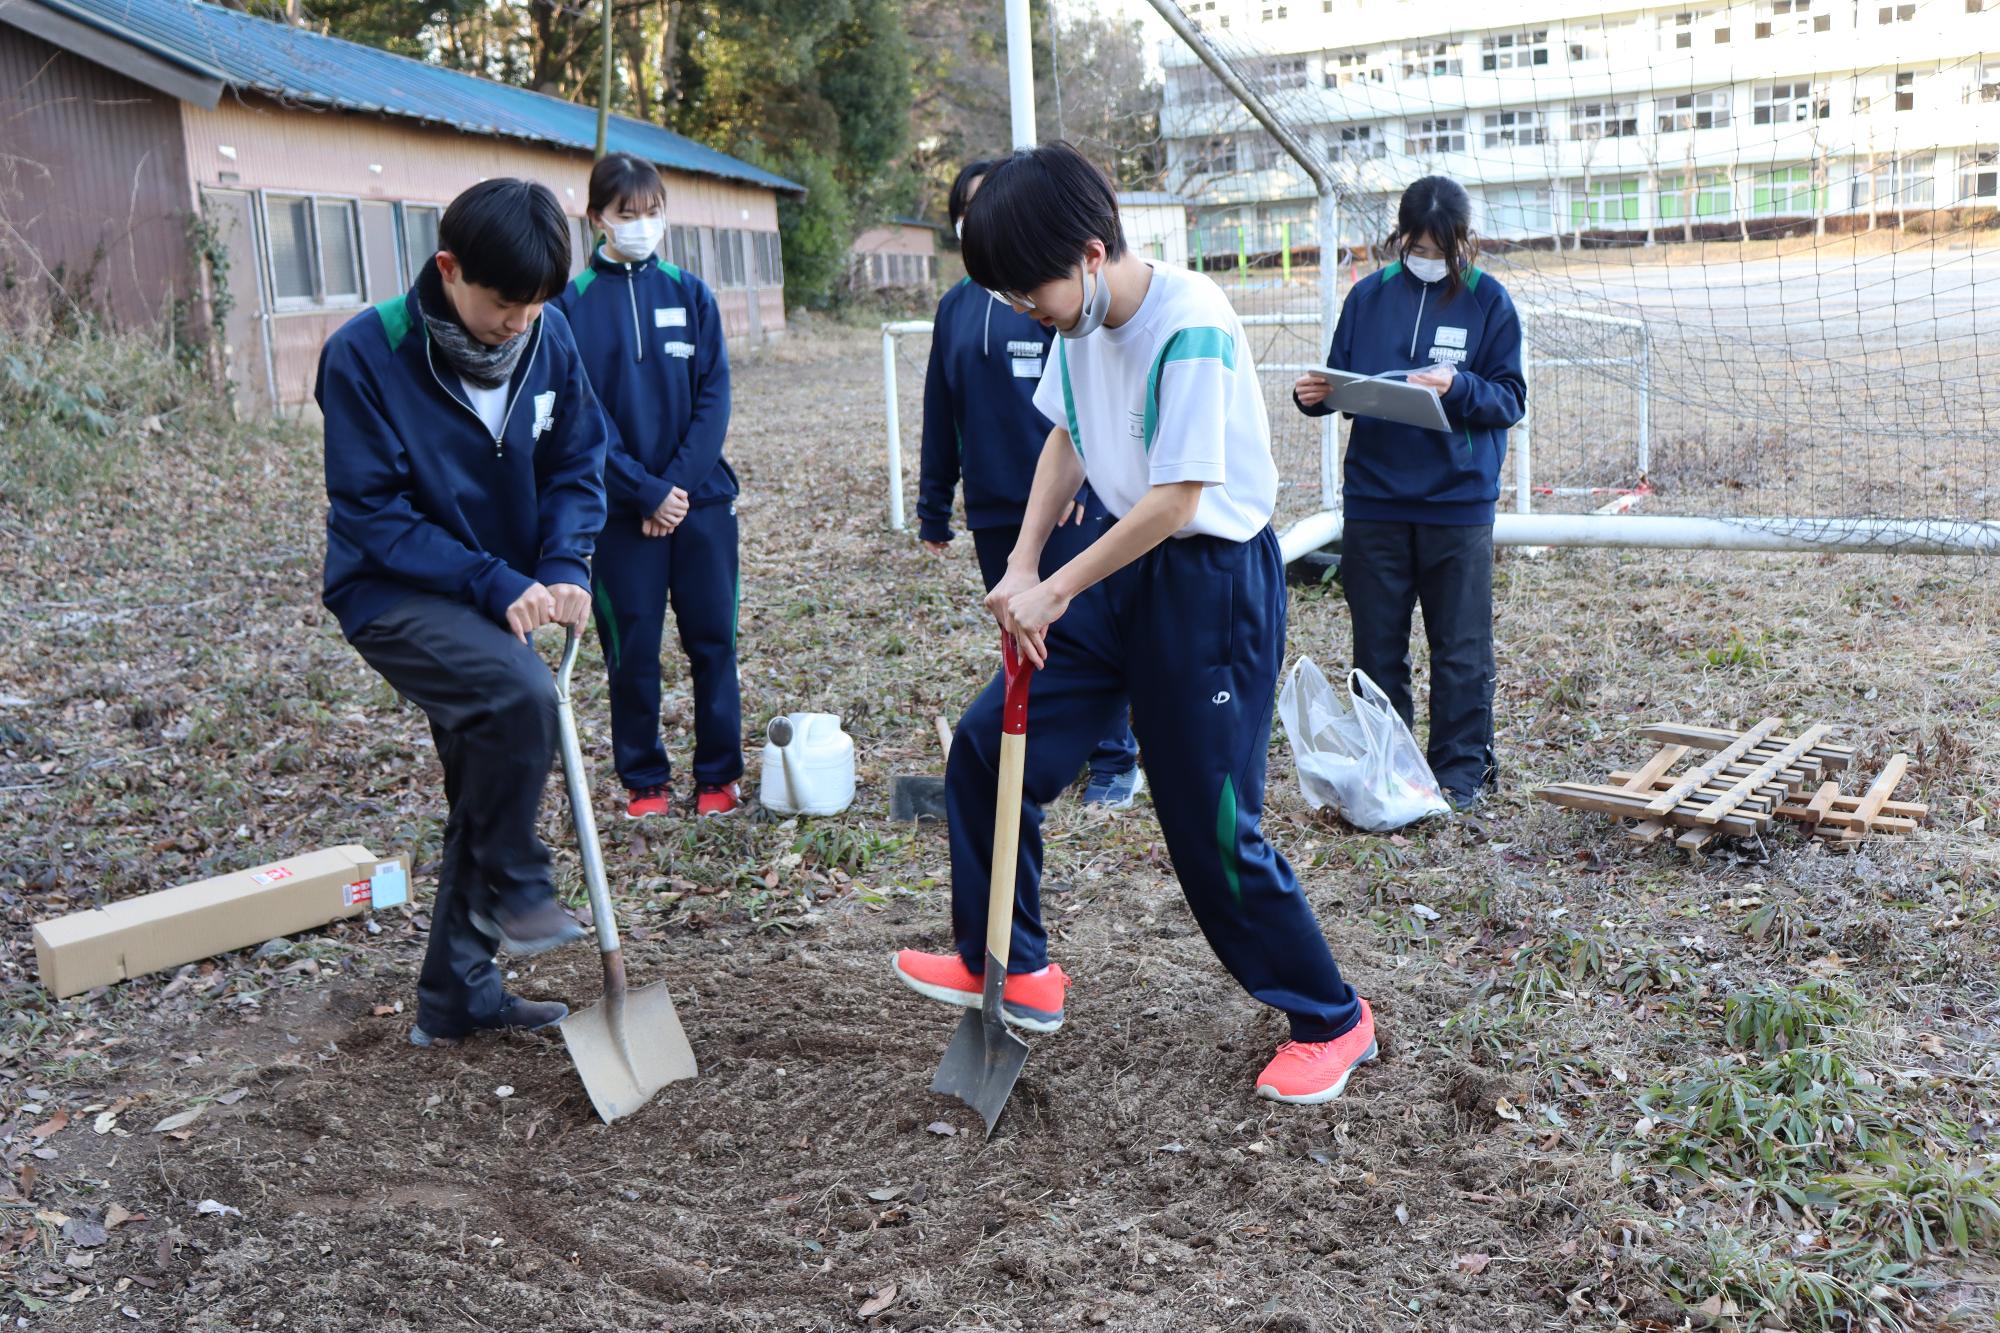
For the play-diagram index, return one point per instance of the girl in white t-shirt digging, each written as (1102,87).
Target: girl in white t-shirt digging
(1180,606)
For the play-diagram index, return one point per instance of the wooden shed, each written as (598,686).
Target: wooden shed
(172,160)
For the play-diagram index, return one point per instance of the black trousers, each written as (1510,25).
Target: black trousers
(491,701)
(1387,570)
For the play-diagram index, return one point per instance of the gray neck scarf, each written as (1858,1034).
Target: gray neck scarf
(488,367)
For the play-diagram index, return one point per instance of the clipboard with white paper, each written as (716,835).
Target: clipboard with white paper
(1386,395)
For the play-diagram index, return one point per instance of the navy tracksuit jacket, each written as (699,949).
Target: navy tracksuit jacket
(651,338)
(981,424)
(1419,503)
(434,527)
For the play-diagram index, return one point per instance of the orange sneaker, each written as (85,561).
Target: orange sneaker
(712,800)
(1309,1072)
(644,801)
(1031,1000)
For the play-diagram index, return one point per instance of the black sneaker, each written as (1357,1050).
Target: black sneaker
(516,1015)
(537,930)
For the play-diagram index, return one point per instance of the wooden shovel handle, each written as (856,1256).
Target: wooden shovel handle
(1007,804)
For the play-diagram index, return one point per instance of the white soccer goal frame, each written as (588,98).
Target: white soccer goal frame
(1613,525)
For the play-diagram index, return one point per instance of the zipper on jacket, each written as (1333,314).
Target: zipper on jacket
(499,440)
(632,293)
(1423,294)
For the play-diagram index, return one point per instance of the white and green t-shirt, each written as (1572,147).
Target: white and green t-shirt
(1170,395)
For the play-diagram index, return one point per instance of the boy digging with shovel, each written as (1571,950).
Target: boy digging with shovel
(464,479)
(1180,606)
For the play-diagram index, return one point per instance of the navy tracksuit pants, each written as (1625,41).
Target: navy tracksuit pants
(491,701)
(1193,634)
(635,577)
(1117,752)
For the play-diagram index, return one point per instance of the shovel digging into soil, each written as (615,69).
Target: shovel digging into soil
(629,1045)
(984,1060)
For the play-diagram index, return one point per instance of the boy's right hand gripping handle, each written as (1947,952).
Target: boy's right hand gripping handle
(1007,812)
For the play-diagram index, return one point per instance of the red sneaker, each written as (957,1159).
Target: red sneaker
(1309,1072)
(1031,1000)
(715,799)
(645,801)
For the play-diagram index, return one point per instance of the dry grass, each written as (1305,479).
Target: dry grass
(176,703)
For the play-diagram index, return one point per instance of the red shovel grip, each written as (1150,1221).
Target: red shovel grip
(1014,712)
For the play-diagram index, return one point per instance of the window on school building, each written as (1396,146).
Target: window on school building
(1440,134)
(1677,30)
(1906,91)
(315,250)
(1985,85)
(1893,183)
(1503,128)
(1786,192)
(1195,84)
(1603,120)
(1693,111)
(1789,18)
(420,238)
(1514,50)
(1787,103)
(1282,73)
(1979,175)
(1344,69)
(1903,13)
(1357,143)
(1432,60)
(1213,157)
(1712,196)
(1605,203)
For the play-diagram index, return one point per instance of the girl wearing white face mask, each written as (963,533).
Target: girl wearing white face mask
(1418,525)
(651,340)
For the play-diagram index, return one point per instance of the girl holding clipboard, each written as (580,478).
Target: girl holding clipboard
(1419,502)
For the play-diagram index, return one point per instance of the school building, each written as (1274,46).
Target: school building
(1626,125)
(171,160)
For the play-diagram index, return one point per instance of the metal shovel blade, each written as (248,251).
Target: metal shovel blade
(627,1047)
(984,1060)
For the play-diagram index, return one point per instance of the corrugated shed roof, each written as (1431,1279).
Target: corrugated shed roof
(296,65)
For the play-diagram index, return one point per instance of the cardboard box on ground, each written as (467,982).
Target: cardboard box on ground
(135,936)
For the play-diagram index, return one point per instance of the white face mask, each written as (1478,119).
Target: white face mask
(1425,270)
(637,239)
(1096,305)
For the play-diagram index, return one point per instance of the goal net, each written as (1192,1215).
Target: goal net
(1755,245)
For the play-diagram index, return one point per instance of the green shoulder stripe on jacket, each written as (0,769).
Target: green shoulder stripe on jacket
(669,269)
(1472,277)
(581,282)
(1392,270)
(1193,344)
(395,316)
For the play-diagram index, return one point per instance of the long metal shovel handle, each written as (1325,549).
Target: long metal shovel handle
(586,824)
(1007,814)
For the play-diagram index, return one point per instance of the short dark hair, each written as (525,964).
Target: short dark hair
(509,235)
(961,187)
(1034,214)
(1438,207)
(621,178)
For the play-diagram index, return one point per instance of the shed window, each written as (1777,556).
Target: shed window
(315,250)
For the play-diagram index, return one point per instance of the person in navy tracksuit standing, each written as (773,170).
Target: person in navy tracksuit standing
(464,462)
(651,337)
(1419,503)
(981,423)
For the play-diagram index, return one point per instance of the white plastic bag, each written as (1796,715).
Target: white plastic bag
(1354,753)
